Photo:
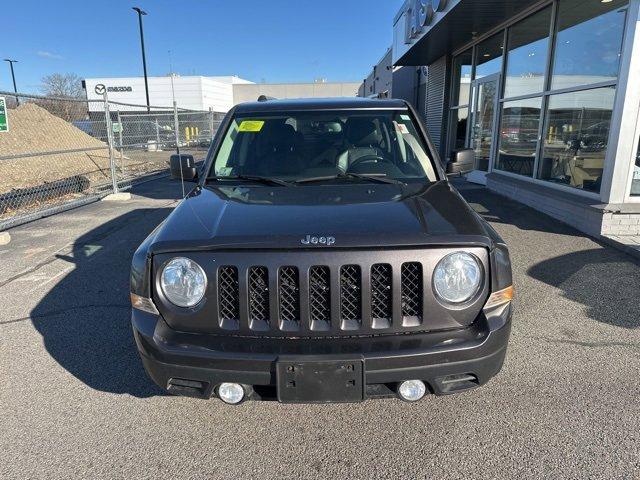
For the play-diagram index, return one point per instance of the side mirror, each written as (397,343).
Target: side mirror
(183,167)
(463,162)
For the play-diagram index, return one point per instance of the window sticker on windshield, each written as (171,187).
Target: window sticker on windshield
(251,126)
(405,117)
(402,128)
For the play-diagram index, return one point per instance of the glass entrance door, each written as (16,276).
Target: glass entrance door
(483,126)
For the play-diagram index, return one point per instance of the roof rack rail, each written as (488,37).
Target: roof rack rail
(265,98)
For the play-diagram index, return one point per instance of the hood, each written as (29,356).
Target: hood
(354,215)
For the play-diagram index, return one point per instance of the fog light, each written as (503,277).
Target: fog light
(412,390)
(231,393)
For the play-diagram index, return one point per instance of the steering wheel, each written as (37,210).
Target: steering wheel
(370,158)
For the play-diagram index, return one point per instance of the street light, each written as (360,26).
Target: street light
(13,77)
(144,58)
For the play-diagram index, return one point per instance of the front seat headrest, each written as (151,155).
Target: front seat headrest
(362,132)
(282,137)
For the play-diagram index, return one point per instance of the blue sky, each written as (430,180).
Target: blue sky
(272,41)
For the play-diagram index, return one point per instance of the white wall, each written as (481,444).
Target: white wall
(217,95)
(251,92)
(192,92)
(202,93)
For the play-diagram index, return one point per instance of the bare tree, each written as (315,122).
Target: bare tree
(62,86)
(67,85)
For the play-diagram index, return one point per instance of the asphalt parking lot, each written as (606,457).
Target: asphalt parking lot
(75,402)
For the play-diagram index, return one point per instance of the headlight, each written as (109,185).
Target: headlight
(457,278)
(183,282)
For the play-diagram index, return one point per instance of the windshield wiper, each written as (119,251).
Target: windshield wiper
(361,176)
(253,178)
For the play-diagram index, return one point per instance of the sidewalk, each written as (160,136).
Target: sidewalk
(627,243)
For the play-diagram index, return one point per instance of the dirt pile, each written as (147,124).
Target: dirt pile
(33,130)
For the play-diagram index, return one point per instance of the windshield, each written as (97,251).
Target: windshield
(324,146)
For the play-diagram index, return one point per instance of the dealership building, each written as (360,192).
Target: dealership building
(200,93)
(546,93)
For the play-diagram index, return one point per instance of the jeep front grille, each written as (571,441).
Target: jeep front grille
(319,298)
(381,299)
(289,298)
(350,297)
(411,293)
(326,292)
(228,297)
(259,298)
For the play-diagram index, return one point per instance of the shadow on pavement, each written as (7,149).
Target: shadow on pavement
(604,280)
(498,209)
(85,319)
(160,188)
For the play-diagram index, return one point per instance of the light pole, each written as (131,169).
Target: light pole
(13,77)
(144,58)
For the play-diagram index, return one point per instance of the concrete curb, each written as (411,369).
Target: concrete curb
(629,250)
(117,197)
(5,238)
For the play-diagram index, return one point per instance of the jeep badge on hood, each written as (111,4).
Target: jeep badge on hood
(311,240)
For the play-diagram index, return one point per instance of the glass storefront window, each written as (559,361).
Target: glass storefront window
(635,179)
(528,48)
(576,138)
(588,42)
(489,56)
(462,78)
(519,136)
(459,120)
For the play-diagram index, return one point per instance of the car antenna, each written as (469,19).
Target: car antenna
(265,98)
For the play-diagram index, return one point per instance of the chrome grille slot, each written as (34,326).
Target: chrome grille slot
(228,298)
(411,294)
(258,279)
(319,298)
(381,296)
(350,297)
(289,298)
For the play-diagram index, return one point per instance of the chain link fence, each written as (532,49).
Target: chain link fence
(59,153)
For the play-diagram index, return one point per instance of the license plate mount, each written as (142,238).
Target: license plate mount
(324,381)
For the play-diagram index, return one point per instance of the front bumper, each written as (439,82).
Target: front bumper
(447,361)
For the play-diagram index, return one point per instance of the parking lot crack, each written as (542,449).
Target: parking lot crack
(602,344)
(62,311)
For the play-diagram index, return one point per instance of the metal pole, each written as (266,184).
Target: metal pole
(176,126)
(144,57)
(112,162)
(13,77)
(120,140)
(210,124)
(177,131)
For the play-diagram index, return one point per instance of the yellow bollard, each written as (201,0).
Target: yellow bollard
(186,134)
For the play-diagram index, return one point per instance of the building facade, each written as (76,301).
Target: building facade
(251,92)
(389,81)
(191,92)
(217,94)
(379,81)
(546,93)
